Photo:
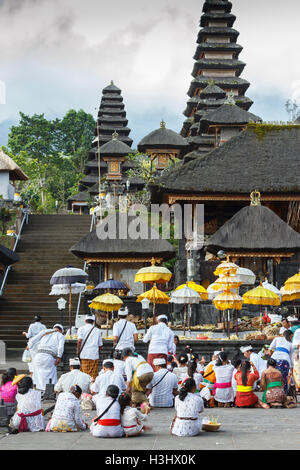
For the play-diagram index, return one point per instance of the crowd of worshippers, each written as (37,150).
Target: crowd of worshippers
(128,385)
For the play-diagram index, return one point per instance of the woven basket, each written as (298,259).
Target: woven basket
(210,427)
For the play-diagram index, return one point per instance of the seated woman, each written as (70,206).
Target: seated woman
(182,369)
(132,419)
(272,384)
(193,374)
(28,416)
(223,391)
(8,391)
(236,362)
(108,423)
(66,415)
(188,405)
(245,379)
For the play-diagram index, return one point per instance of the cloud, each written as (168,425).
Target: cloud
(59,54)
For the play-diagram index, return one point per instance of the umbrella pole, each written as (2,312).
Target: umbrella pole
(70,309)
(107,324)
(228,323)
(260,318)
(184,320)
(224,326)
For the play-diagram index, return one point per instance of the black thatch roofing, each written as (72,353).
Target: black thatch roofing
(215,64)
(217,31)
(206,17)
(229,114)
(91,245)
(111,88)
(7,256)
(116,148)
(217,4)
(223,82)
(82,196)
(216,47)
(255,228)
(263,157)
(162,138)
(212,91)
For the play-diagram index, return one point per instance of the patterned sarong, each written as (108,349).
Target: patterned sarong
(90,367)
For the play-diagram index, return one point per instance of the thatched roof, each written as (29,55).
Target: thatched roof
(163,138)
(115,148)
(8,257)
(217,4)
(7,164)
(229,114)
(255,228)
(263,157)
(228,17)
(92,245)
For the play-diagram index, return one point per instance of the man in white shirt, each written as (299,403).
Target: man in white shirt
(124,332)
(74,377)
(89,346)
(34,328)
(255,359)
(138,374)
(50,350)
(161,339)
(163,386)
(106,378)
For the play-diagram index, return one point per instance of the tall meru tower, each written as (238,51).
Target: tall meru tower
(217,71)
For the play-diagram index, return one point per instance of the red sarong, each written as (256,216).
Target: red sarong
(23,423)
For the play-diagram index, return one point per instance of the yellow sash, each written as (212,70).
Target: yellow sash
(135,381)
(243,388)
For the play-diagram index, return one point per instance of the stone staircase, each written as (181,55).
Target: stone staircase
(43,249)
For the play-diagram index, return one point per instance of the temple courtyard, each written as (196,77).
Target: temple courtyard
(241,429)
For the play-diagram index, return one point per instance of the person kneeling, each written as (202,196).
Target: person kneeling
(188,405)
(108,423)
(131,418)
(66,415)
(245,397)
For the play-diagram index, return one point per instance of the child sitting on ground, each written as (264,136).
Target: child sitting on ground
(131,418)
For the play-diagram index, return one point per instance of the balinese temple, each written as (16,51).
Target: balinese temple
(121,256)
(163,146)
(10,172)
(262,157)
(217,72)
(257,237)
(113,143)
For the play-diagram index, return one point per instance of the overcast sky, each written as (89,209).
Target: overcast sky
(60,54)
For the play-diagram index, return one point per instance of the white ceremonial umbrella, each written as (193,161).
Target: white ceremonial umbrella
(269,286)
(68,276)
(246,276)
(63,289)
(186,296)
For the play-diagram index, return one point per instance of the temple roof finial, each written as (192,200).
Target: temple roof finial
(115,136)
(112,82)
(163,124)
(255,198)
(230,98)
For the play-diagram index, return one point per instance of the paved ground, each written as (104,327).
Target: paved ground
(241,429)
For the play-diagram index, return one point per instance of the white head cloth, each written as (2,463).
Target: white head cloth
(74,362)
(123,313)
(292,319)
(159,361)
(57,325)
(90,317)
(162,317)
(246,348)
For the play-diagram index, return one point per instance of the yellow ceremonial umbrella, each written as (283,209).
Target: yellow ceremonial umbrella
(155,296)
(153,274)
(261,296)
(226,267)
(196,287)
(293,283)
(226,301)
(227,282)
(288,295)
(107,303)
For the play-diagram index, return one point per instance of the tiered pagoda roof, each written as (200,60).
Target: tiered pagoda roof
(111,119)
(217,70)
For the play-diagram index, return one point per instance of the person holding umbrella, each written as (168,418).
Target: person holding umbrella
(161,339)
(50,350)
(89,346)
